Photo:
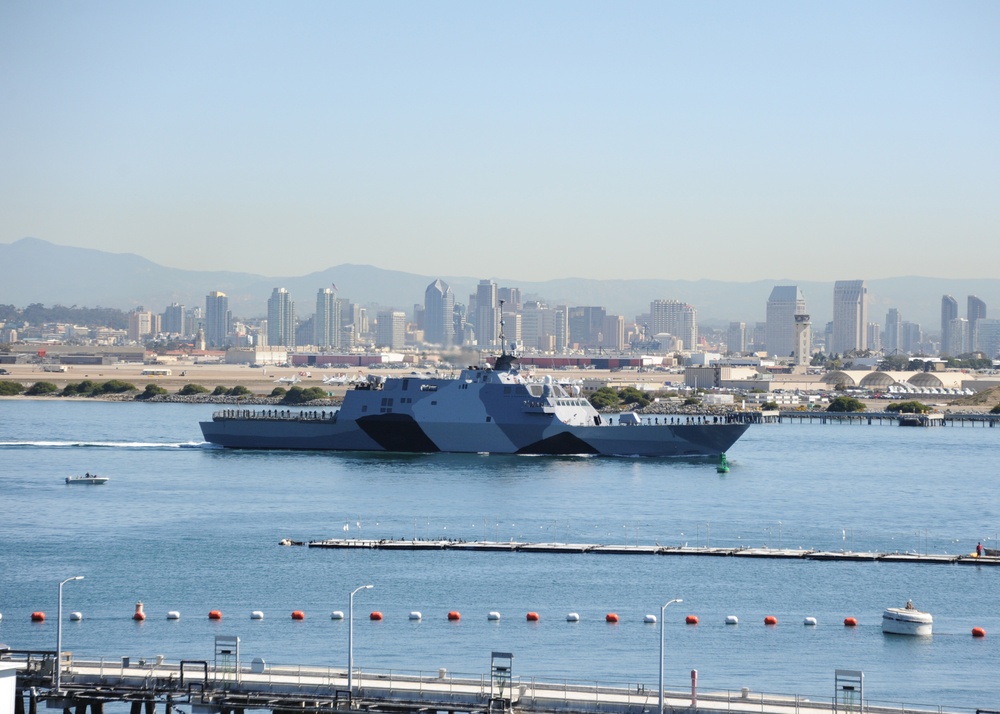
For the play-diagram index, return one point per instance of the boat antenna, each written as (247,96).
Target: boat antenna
(505,361)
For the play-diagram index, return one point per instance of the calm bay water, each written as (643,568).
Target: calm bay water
(182,526)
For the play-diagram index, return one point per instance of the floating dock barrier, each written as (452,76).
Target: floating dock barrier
(808,622)
(978,632)
(691,620)
(493,615)
(532,617)
(173,615)
(257,615)
(573,617)
(770,620)
(337,615)
(38,616)
(454,616)
(416,615)
(76,616)
(649,619)
(139,615)
(732,620)
(850,622)
(611,617)
(376,615)
(215,615)
(298,615)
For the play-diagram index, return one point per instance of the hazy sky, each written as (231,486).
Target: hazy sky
(529,140)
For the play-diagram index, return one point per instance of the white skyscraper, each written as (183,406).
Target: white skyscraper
(850,317)
(785,302)
(280,319)
(326,322)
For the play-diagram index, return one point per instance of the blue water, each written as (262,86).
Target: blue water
(183,526)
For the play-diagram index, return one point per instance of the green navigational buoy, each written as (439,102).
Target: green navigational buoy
(723,467)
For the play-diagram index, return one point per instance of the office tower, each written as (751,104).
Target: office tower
(874,337)
(487,314)
(911,338)
(802,352)
(326,322)
(976,311)
(280,319)
(736,338)
(174,319)
(613,333)
(217,320)
(390,329)
(439,314)
(511,298)
(989,337)
(949,311)
(586,325)
(850,316)
(676,318)
(785,302)
(893,341)
(958,334)
(140,324)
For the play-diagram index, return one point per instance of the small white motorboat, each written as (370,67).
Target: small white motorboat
(87,478)
(906,621)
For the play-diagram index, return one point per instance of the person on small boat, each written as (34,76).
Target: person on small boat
(909,604)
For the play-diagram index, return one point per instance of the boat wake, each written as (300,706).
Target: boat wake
(139,445)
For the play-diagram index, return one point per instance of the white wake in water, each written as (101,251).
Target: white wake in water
(104,444)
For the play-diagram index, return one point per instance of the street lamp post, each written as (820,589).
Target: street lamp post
(350,639)
(59,631)
(662,611)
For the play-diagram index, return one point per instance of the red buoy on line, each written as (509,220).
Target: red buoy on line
(611,617)
(770,620)
(139,615)
(850,622)
(38,616)
(298,615)
(532,617)
(691,619)
(215,615)
(454,615)
(978,632)
(376,615)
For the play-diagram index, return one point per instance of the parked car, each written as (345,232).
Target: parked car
(3,371)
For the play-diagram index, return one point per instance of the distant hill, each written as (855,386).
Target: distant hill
(36,271)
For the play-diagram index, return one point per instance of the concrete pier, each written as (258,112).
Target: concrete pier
(587,548)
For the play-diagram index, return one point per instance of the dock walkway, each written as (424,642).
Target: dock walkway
(205,689)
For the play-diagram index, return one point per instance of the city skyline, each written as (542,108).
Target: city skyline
(688,140)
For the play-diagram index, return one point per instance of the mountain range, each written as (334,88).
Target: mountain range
(37,271)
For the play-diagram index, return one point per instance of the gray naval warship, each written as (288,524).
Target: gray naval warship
(484,410)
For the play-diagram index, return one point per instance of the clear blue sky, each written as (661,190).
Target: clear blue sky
(528,140)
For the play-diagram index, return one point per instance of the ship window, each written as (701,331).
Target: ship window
(364,408)
(434,404)
(406,384)
(489,419)
(506,390)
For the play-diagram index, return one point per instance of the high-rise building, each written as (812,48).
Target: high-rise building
(326,322)
(511,298)
(487,314)
(439,314)
(676,318)
(218,320)
(613,333)
(892,342)
(913,335)
(736,338)
(976,311)
(850,317)
(390,329)
(586,325)
(949,311)
(140,324)
(958,334)
(785,302)
(989,336)
(174,320)
(874,337)
(280,319)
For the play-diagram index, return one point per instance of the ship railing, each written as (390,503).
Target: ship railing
(277,414)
